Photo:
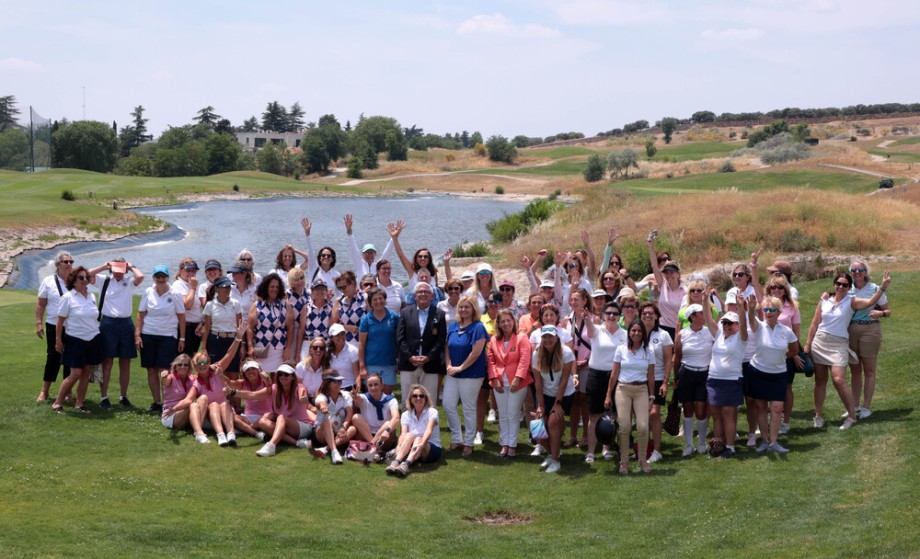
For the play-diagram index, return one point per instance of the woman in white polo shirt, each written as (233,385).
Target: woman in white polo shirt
(633,378)
(604,343)
(378,414)
(343,356)
(186,287)
(160,317)
(50,292)
(81,345)
(724,382)
(553,365)
(692,354)
(420,440)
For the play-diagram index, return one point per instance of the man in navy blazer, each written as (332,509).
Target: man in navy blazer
(420,338)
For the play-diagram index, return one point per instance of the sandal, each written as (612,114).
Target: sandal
(624,468)
(82,409)
(58,409)
(42,398)
(570,443)
(645,467)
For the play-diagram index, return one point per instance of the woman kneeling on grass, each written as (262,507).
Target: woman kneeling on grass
(203,398)
(420,440)
(333,421)
(289,421)
(553,364)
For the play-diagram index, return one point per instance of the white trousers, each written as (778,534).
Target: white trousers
(510,410)
(464,391)
(418,376)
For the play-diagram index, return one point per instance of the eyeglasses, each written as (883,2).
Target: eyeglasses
(629,306)
(611,313)
(325,255)
(200,362)
(367,285)
(609,278)
(648,313)
(318,348)
(696,291)
(770,309)
(454,288)
(739,274)
(418,396)
(841,284)
(183,364)
(506,289)
(65,261)
(858,270)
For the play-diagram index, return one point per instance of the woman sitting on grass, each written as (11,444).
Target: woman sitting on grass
(420,440)
(254,409)
(289,421)
(201,399)
(378,415)
(333,428)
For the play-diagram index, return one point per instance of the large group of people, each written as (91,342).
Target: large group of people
(314,357)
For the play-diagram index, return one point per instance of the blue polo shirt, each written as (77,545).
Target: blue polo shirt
(380,348)
(460,344)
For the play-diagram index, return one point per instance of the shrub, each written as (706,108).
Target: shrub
(650,149)
(68,195)
(596,169)
(732,135)
(556,193)
(634,253)
(480,150)
(795,240)
(355,168)
(512,226)
(501,150)
(727,167)
(499,189)
(450,157)
(471,250)
(236,188)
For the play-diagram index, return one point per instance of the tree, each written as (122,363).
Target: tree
(294,118)
(250,125)
(465,139)
(8,111)
(275,117)
(637,126)
(621,162)
(800,132)
(382,134)
(650,149)
(767,132)
(500,149)
(596,169)
(315,157)
(224,126)
(223,153)
(14,149)
(88,145)
(668,125)
(207,116)
(140,125)
(270,159)
(364,153)
(475,138)
(700,117)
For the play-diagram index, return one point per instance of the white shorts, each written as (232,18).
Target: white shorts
(252,417)
(306,429)
(168,421)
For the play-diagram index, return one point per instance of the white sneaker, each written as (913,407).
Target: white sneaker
(231,439)
(783,428)
(553,467)
(260,435)
(538,450)
(546,462)
(589,458)
(607,454)
(859,410)
(491,416)
(656,456)
(752,440)
(702,448)
(222,440)
(336,456)
(304,443)
(688,451)
(818,422)
(202,438)
(776,447)
(864,413)
(763,446)
(847,423)
(268,449)
(477,440)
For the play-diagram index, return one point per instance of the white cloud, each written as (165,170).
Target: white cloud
(604,12)
(733,34)
(498,24)
(13,63)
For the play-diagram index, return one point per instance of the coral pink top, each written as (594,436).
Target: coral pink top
(213,389)
(292,410)
(176,391)
(512,360)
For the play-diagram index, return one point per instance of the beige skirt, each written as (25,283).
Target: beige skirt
(830,350)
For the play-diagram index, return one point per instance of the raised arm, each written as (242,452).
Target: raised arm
(312,263)
(755,274)
(448,254)
(608,249)
(707,315)
(591,270)
(860,304)
(653,259)
(394,229)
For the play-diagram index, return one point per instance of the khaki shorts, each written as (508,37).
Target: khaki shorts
(866,339)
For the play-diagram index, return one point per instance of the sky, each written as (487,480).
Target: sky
(531,67)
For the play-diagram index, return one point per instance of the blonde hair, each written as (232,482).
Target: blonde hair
(471,300)
(549,361)
(781,281)
(424,391)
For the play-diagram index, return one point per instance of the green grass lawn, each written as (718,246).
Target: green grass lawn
(119,484)
(696,151)
(849,183)
(26,198)
(899,156)
(907,141)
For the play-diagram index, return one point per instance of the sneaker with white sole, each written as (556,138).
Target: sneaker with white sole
(260,435)
(202,438)
(222,440)
(847,423)
(268,449)
(304,443)
(783,428)
(490,417)
(763,446)
(752,440)
(864,413)
(546,462)
(320,452)
(391,469)
(655,457)
(477,440)
(778,448)
(231,439)
(336,456)
(607,454)
(402,470)
(818,422)
(553,467)
(688,451)
(538,450)
(858,410)
(702,448)
(589,458)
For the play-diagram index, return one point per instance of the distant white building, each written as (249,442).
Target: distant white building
(251,141)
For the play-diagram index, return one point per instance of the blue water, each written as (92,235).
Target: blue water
(221,229)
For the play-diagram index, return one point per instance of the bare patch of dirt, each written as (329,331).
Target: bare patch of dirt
(499,518)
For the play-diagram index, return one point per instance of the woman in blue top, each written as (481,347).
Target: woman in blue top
(466,367)
(377,340)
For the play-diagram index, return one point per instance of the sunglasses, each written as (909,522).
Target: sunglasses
(160,276)
(318,347)
(82,278)
(246,259)
(841,284)
(425,256)
(777,287)
(696,291)
(325,255)
(65,261)
(385,269)
(858,270)
(770,309)
(778,273)
(648,313)
(609,278)
(340,286)
(495,302)
(418,396)
(455,288)
(572,266)
(336,380)
(282,375)
(485,273)
(200,362)
(367,285)
(739,274)
(611,313)
(504,289)
(615,264)
(183,364)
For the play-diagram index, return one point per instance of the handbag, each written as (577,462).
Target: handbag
(538,430)
(260,352)
(808,366)
(672,421)
(360,451)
